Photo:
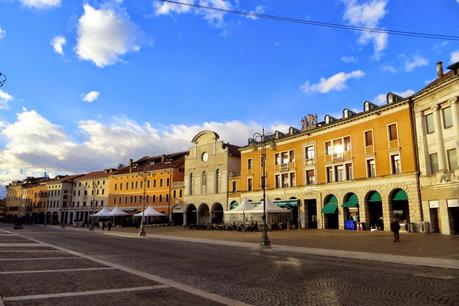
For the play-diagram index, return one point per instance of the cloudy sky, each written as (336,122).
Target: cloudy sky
(94,83)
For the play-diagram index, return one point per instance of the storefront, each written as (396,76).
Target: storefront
(330,211)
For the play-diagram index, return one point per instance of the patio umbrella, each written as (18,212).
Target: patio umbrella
(150,212)
(104,212)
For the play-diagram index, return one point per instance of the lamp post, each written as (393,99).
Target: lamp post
(91,226)
(263,140)
(142,232)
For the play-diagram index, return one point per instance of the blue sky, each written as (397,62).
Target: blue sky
(137,77)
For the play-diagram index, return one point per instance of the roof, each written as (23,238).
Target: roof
(153,163)
(195,138)
(446,77)
(232,149)
(93,175)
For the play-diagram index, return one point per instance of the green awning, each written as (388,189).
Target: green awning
(352,201)
(400,195)
(330,208)
(375,197)
(287,203)
(332,200)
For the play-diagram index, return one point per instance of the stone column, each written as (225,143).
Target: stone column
(340,216)
(386,212)
(440,142)
(443,218)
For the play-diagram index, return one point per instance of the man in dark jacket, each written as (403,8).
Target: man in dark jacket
(395,228)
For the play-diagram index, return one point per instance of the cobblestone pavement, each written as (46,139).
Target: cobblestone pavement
(253,276)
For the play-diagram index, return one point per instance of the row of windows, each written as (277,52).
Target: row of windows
(218,182)
(96,203)
(138,199)
(452,161)
(447,120)
(135,185)
(85,192)
(86,183)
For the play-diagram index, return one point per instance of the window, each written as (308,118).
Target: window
(131,200)
(277,159)
(160,198)
(175,194)
(310,179)
(167,198)
(395,164)
(180,193)
(278,180)
(141,184)
(154,199)
(132,185)
(338,148)
(121,186)
(160,182)
(190,184)
(309,153)
(148,184)
(452,159)
(368,138)
(203,182)
(167,181)
(430,124)
(115,186)
(393,132)
(347,144)
(284,158)
(234,187)
(447,117)
(328,148)
(371,168)
(125,200)
(249,184)
(292,179)
(249,163)
(434,162)
(329,174)
(127,185)
(339,173)
(217,180)
(291,154)
(285,180)
(154,183)
(349,175)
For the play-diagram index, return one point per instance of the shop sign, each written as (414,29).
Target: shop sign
(434,204)
(453,203)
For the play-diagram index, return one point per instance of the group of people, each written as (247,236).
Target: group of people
(109,225)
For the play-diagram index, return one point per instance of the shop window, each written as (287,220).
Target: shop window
(395,164)
(430,124)
(368,138)
(447,117)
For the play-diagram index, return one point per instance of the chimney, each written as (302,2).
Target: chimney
(130,165)
(163,158)
(439,70)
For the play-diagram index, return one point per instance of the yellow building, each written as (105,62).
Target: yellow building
(13,201)
(155,181)
(359,167)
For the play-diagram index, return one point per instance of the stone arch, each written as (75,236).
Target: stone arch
(217,213)
(203,214)
(399,205)
(374,210)
(190,214)
(330,211)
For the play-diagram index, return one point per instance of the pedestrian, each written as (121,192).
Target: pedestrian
(395,228)
(103,225)
(380,224)
(109,226)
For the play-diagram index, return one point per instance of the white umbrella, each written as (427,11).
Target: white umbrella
(270,207)
(118,212)
(241,208)
(104,212)
(150,212)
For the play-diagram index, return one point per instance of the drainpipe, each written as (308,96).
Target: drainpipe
(416,155)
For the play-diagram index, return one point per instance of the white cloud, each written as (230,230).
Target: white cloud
(35,145)
(90,96)
(41,4)
(214,17)
(104,35)
(5,98)
(2,33)
(415,62)
(368,14)
(381,98)
(349,59)
(390,69)
(454,56)
(336,82)
(259,9)
(58,43)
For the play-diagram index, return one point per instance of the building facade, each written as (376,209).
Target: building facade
(14,201)
(150,181)
(436,112)
(208,166)
(360,167)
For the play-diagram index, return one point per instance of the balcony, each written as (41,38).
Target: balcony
(369,150)
(285,167)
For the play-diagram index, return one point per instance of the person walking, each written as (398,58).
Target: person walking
(395,228)
(103,225)
(109,226)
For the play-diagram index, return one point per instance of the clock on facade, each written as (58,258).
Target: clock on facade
(205,156)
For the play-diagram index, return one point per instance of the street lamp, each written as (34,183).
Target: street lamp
(142,232)
(263,139)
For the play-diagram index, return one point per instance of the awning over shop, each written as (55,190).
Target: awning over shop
(400,195)
(287,203)
(330,208)
(351,201)
(375,197)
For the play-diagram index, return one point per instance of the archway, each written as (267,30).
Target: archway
(217,213)
(177,215)
(330,211)
(351,211)
(70,220)
(399,206)
(55,218)
(373,203)
(203,214)
(191,214)
(234,204)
